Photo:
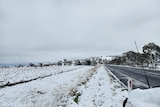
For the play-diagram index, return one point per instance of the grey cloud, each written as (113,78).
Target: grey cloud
(38,30)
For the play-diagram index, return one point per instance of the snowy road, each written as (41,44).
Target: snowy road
(138,76)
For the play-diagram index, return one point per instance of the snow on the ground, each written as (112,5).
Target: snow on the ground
(144,98)
(47,92)
(14,74)
(100,91)
(69,86)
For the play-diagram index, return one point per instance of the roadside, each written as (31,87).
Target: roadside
(141,78)
(139,97)
(100,90)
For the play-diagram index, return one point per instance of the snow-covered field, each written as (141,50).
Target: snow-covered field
(12,75)
(58,87)
(68,86)
(42,92)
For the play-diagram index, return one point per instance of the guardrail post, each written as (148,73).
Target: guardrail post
(130,85)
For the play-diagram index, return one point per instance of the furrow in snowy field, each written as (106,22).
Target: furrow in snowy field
(47,92)
(12,76)
(23,81)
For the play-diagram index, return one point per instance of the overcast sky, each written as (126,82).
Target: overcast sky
(51,30)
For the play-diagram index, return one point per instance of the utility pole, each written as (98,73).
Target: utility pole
(143,68)
(137,52)
(136,46)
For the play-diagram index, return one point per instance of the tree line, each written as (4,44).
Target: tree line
(88,61)
(150,57)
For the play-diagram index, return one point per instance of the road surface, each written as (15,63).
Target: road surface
(137,75)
